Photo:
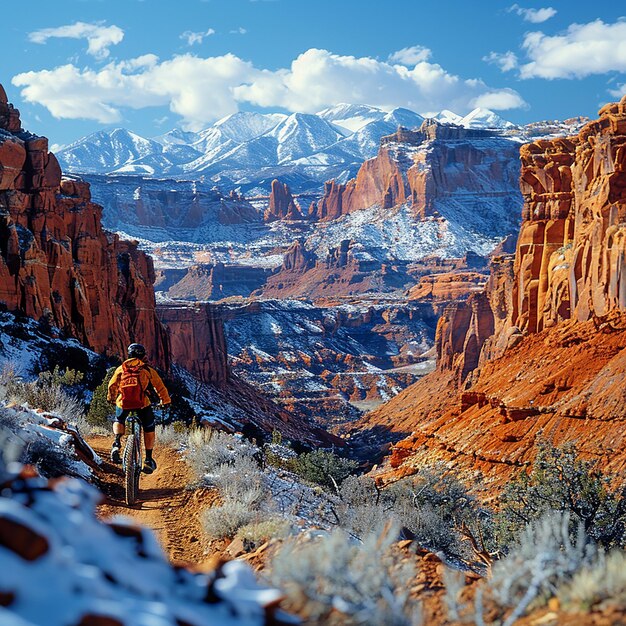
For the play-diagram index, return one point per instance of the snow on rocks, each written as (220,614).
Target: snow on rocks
(60,565)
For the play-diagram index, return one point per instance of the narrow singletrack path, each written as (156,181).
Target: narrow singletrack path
(167,503)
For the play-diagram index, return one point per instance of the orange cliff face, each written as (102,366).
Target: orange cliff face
(570,255)
(541,353)
(56,260)
(418,168)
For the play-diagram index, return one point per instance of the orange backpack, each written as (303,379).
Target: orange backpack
(133,394)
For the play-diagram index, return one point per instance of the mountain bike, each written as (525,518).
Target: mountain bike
(132,458)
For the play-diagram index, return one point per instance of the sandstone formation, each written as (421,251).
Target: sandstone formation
(217,281)
(344,271)
(570,253)
(282,204)
(459,161)
(448,286)
(539,354)
(564,384)
(197,340)
(56,261)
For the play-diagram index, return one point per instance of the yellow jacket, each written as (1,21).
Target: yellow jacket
(147,375)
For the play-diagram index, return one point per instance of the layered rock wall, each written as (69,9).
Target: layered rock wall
(57,261)
(197,340)
(422,167)
(570,254)
(553,367)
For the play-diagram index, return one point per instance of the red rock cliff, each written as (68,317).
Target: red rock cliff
(55,258)
(282,204)
(198,342)
(570,254)
(569,261)
(421,167)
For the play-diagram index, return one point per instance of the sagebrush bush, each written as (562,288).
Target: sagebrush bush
(323,467)
(174,435)
(333,579)
(209,449)
(241,480)
(255,534)
(225,520)
(601,585)
(434,505)
(546,557)
(561,481)
(50,392)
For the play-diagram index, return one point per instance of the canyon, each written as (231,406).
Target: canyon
(60,266)
(539,354)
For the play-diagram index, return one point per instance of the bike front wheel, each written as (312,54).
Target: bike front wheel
(132,469)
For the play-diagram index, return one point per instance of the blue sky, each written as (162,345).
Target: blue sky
(76,66)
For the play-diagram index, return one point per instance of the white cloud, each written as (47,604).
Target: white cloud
(619,91)
(99,37)
(410,56)
(192,37)
(202,90)
(500,100)
(506,61)
(584,49)
(536,16)
(238,31)
(319,78)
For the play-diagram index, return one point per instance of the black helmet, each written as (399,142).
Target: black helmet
(136,350)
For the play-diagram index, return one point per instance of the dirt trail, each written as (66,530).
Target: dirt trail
(166,504)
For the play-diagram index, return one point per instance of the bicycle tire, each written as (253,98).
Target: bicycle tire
(131,475)
(138,458)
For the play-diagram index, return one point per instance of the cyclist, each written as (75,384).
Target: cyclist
(129,390)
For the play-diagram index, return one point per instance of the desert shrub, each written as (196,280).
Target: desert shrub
(561,481)
(601,585)
(52,392)
(209,449)
(225,520)
(434,507)
(174,435)
(255,534)
(323,467)
(546,557)
(241,481)
(363,508)
(333,579)
(279,455)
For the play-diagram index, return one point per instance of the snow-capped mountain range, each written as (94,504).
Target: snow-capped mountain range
(249,149)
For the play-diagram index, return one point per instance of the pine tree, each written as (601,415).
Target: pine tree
(100,409)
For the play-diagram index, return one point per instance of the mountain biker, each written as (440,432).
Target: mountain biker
(129,390)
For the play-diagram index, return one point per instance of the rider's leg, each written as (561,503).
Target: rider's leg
(118,431)
(148,439)
(146,415)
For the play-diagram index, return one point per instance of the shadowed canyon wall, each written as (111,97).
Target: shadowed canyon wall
(57,261)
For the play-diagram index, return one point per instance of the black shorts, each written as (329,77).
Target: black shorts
(145,415)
